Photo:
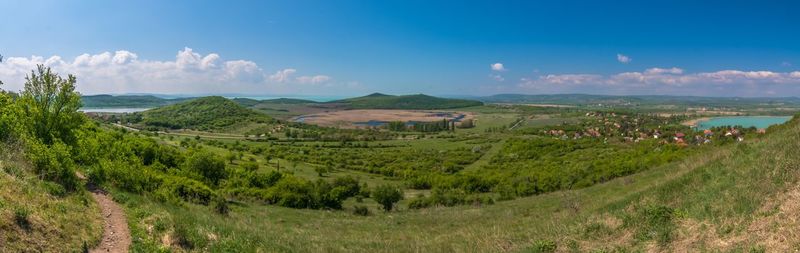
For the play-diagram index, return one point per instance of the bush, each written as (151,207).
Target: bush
(184,188)
(207,165)
(387,195)
(361,210)
(221,205)
(53,163)
(97,175)
(21,214)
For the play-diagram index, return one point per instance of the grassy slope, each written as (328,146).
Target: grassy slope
(411,102)
(53,224)
(713,198)
(208,113)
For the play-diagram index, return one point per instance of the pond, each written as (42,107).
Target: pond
(114,110)
(744,121)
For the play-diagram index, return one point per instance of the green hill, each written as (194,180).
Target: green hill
(129,101)
(207,113)
(417,101)
(288,101)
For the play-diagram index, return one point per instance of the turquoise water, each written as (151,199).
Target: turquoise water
(745,121)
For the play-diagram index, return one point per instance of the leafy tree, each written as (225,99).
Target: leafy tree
(387,195)
(207,165)
(50,104)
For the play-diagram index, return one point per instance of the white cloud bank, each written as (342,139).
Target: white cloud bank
(122,72)
(673,81)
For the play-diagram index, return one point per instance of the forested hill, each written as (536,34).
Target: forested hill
(207,113)
(418,101)
(129,101)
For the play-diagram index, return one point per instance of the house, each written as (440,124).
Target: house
(679,136)
(761,131)
(708,133)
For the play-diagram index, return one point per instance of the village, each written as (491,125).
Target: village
(634,128)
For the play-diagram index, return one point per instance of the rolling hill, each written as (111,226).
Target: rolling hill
(411,102)
(129,101)
(207,113)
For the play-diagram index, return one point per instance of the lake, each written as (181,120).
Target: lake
(745,121)
(114,110)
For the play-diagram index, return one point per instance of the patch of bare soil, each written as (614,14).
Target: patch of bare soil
(116,236)
(347,118)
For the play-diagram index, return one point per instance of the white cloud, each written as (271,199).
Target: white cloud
(656,71)
(623,58)
(498,67)
(282,76)
(671,81)
(313,79)
(190,72)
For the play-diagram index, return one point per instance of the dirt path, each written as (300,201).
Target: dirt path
(116,236)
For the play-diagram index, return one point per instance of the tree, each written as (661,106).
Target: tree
(207,165)
(50,105)
(387,195)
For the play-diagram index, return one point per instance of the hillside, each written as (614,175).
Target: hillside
(410,102)
(207,113)
(38,215)
(128,101)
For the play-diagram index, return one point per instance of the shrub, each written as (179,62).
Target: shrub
(361,210)
(221,205)
(97,175)
(53,163)
(207,165)
(387,195)
(21,214)
(185,188)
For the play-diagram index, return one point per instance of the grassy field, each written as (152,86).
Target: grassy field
(708,201)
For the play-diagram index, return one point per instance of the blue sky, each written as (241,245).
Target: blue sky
(716,48)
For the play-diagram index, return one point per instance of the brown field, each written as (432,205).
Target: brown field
(347,118)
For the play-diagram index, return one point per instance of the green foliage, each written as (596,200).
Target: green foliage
(50,106)
(207,113)
(53,163)
(8,120)
(361,210)
(220,205)
(387,195)
(21,214)
(208,165)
